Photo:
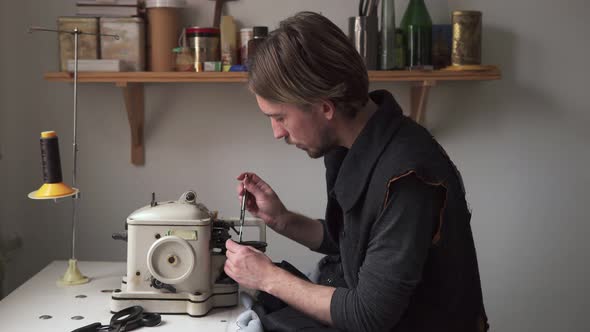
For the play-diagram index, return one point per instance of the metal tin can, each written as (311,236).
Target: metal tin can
(87,44)
(205,45)
(466,38)
(130,47)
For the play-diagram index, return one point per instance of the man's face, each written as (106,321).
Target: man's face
(307,129)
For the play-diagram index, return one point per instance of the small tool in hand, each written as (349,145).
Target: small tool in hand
(243,207)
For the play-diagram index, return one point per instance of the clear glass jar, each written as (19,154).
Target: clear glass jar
(184,59)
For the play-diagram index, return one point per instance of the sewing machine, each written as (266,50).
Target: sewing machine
(175,258)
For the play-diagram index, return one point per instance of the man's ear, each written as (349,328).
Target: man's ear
(328,109)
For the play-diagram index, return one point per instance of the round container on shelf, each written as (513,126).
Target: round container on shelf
(205,44)
(164,29)
(466,38)
(185,59)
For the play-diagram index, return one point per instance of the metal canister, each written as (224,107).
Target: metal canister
(466,38)
(87,44)
(205,45)
(130,47)
(363,32)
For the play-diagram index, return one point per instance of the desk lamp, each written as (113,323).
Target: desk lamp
(53,187)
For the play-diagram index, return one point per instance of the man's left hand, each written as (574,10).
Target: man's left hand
(247,266)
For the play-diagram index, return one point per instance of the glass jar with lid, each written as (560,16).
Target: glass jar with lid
(184,59)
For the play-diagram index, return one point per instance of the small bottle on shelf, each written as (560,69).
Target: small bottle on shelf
(258,37)
(400,50)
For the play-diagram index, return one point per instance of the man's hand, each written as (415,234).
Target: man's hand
(248,266)
(262,201)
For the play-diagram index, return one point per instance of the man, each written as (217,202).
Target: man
(396,214)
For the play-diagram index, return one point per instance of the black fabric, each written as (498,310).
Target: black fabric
(272,303)
(291,320)
(276,316)
(330,271)
(395,279)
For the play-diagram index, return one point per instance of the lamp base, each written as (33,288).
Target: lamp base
(72,276)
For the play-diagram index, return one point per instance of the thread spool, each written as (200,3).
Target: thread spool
(50,160)
(53,186)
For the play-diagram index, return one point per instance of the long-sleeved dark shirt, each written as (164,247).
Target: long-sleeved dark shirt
(394,258)
(397,217)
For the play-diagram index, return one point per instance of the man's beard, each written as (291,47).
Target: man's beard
(325,146)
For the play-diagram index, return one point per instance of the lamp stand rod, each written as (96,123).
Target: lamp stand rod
(75,144)
(76,33)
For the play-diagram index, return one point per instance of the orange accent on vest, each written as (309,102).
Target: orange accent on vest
(437,235)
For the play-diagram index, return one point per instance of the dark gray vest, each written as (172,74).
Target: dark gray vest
(449,296)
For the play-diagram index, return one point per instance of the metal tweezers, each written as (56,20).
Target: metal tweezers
(243,207)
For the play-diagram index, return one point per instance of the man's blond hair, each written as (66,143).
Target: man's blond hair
(306,60)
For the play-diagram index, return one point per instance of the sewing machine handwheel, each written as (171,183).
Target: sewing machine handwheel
(171,259)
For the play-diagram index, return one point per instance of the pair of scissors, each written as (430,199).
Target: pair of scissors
(132,318)
(127,319)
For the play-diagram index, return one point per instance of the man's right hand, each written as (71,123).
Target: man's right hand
(262,201)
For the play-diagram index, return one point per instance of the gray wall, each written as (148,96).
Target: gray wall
(520,144)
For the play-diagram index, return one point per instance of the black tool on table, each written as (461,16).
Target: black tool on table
(127,319)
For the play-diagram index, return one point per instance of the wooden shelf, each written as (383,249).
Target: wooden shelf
(237,77)
(132,86)
(150,77)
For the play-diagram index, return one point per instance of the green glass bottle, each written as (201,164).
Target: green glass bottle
(417,27)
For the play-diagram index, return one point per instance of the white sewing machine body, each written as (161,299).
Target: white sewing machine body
(175,259)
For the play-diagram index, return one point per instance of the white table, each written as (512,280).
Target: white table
(21,310)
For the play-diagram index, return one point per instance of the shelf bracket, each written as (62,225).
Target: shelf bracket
(134,104)
(419,99)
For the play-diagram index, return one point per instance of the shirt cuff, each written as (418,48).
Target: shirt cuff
(337,305)
(328,246)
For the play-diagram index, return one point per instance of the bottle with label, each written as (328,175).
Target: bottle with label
(417,27)
(246,34)
(229,54)
(400,50)
(258,37)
